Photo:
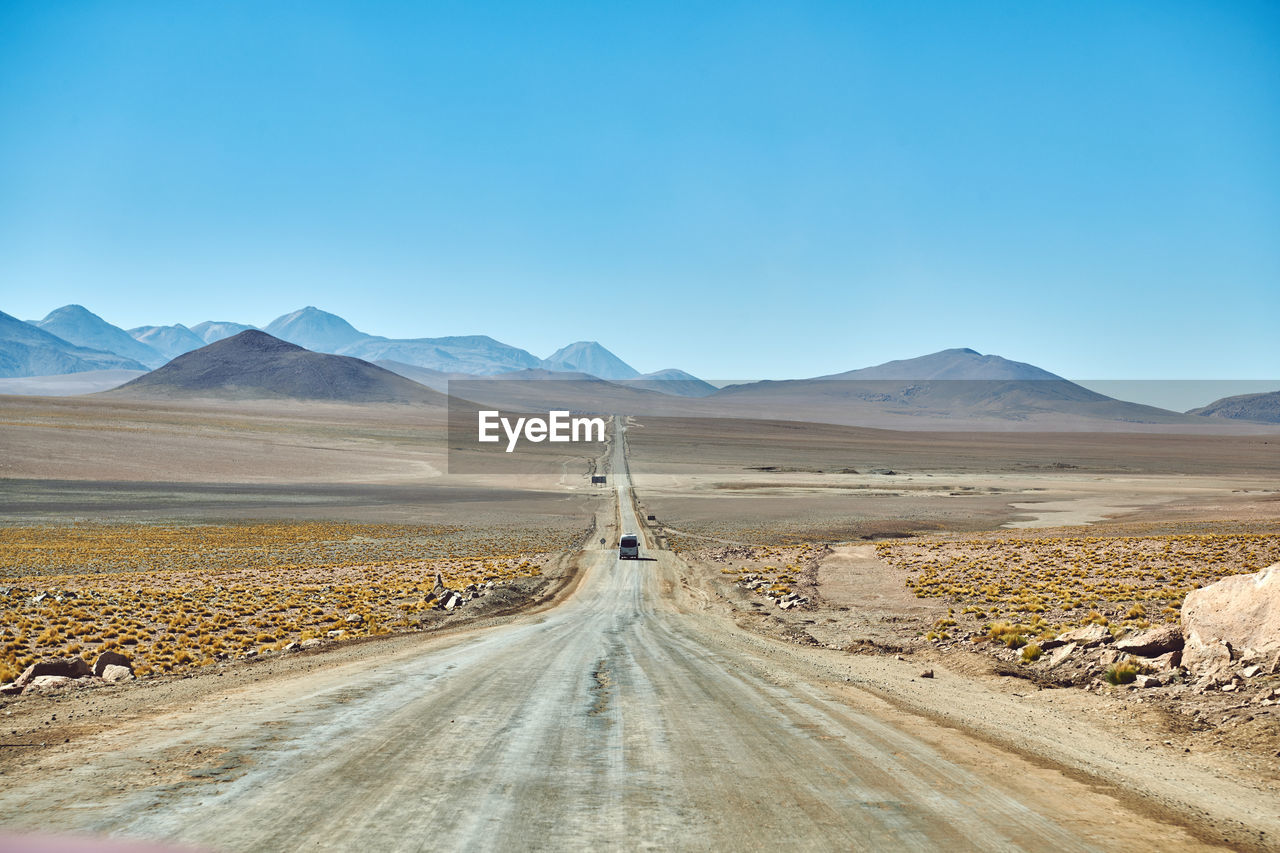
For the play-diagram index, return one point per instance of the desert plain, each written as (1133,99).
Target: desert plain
(277,572)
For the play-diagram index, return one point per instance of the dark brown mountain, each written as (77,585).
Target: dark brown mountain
(1264,408)
(953,389)
(254,365)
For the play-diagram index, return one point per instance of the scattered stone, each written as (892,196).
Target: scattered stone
(335,633)
(291,647)
(109,658)
(312,643)
(47,682)
(1239,612)
(354,619)
(114,672)
(1148,681)
(10,689)
(1229,688)
(1106,657)
(1157,641)
(928,673)
(1251,671)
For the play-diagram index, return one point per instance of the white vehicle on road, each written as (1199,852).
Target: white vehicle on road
(629,547)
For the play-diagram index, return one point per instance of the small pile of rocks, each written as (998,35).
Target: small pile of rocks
(786,601)
(56,673)
(448,599)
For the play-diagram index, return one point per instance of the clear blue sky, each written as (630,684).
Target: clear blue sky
(741,190)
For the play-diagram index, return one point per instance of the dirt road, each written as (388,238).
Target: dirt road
(634,715)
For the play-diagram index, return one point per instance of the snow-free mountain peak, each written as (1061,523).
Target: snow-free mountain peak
(28,350)
(215,330)
(169,341)
(80,326)
(315,330)
(590,357)
(959,363)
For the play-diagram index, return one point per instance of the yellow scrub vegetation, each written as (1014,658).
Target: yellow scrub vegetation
(171,596)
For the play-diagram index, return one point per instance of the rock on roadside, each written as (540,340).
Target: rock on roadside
(110,658)
(114,672)
(1237,617)
(47,682)
(68,668)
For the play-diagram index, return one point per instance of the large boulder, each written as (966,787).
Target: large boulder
(61,667)
(110,658)
(112,672)
(1239,616)
(1156,641)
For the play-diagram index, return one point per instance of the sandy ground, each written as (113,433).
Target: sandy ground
(637,712)
(68,384)
(774,481)
(103,459)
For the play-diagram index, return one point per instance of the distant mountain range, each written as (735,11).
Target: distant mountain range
(321,331)
(312,354)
